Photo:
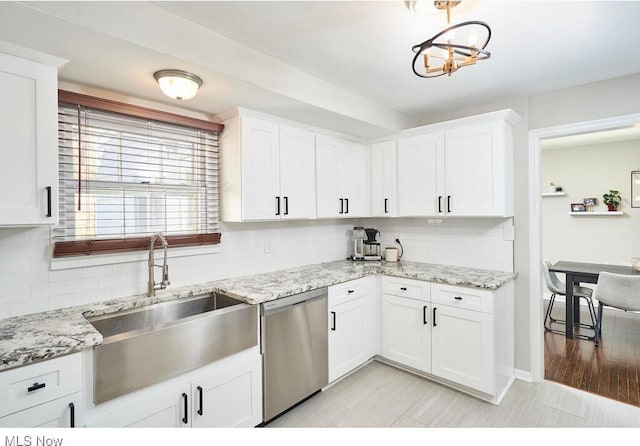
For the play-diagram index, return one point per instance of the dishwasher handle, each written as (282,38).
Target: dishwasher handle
(281,304)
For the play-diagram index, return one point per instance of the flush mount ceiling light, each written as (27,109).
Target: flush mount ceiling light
(445,52)
(178,84)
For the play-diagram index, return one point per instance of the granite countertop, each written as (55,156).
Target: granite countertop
(36,337)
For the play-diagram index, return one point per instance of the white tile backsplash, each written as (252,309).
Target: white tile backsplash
(28,285)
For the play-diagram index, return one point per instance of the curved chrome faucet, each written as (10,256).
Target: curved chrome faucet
(152,285)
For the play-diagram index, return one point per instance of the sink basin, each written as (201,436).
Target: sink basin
(136,321)
(148,345)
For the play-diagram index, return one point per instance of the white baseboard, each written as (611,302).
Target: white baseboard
(524,375)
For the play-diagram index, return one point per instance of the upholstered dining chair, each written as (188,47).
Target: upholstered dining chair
(557,287)
(619,291)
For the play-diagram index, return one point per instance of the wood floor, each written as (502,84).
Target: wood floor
(611,370)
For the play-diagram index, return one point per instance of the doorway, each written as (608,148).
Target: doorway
(537,306)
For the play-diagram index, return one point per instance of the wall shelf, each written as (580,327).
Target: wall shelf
(599,214)
(554,194)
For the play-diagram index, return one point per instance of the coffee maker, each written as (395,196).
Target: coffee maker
(372,250)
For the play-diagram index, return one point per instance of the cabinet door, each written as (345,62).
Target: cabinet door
(297,173)
(421,176)
(328,202)
(64,412)
(347,336)
(28,144)
(383,179)
(229,395)
(406,334)
(260,170)
(353,178)
(476,170)
(167,406)
(462,347)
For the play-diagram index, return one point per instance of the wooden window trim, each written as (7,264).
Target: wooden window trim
(121,245)
(111,246)
(69,97)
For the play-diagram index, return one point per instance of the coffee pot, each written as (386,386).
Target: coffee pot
(357,237)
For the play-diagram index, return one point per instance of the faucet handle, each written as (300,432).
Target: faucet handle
(165,275)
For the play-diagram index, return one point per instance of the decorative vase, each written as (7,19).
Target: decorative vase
(612,207)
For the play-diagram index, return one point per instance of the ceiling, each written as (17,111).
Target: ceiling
(343,65)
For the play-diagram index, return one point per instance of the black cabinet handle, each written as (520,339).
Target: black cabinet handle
(458,298)
(403,288)
(277,205)
(341,206)
(433,322)
(185,419)
(350,291)
(286,205)
(424,315)
(346,200)
(72,410)
(333,321)
(448,203)
(440,203)
(36,386)
(200,401)
(386,202)
(48,188)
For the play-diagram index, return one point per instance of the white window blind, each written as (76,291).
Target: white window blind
(125,177)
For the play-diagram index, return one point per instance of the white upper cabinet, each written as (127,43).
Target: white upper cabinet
(297,173)
(342,178)
(384,179)
(478,170)
(461,168)
(421,175)
(268,171)
(28,142)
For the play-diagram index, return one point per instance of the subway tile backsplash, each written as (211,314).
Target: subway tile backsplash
(27,285)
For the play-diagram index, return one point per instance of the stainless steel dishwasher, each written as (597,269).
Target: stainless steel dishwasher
(294,350)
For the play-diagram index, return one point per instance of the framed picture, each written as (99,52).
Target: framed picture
(578,207)
(590,201)
(635,189)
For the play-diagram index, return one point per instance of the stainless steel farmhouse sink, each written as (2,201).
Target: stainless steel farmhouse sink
(147,345)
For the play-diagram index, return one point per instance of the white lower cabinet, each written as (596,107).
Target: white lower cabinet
(462,336)
(353,325)
(406,331)
(44,394)
(462,347)
(227,393)
(63,412)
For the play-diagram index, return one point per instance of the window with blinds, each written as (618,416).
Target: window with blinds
(124,178)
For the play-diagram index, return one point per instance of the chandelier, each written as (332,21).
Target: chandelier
(448,50)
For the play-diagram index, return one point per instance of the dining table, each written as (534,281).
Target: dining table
(581,272)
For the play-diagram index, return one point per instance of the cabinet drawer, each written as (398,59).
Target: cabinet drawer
(28,386)
(347,291)
(469,298)
(415,289)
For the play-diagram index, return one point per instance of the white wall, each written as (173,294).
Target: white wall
(474,243)
(590,171)
(27,284)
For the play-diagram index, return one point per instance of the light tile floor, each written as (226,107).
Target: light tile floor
(379,395)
